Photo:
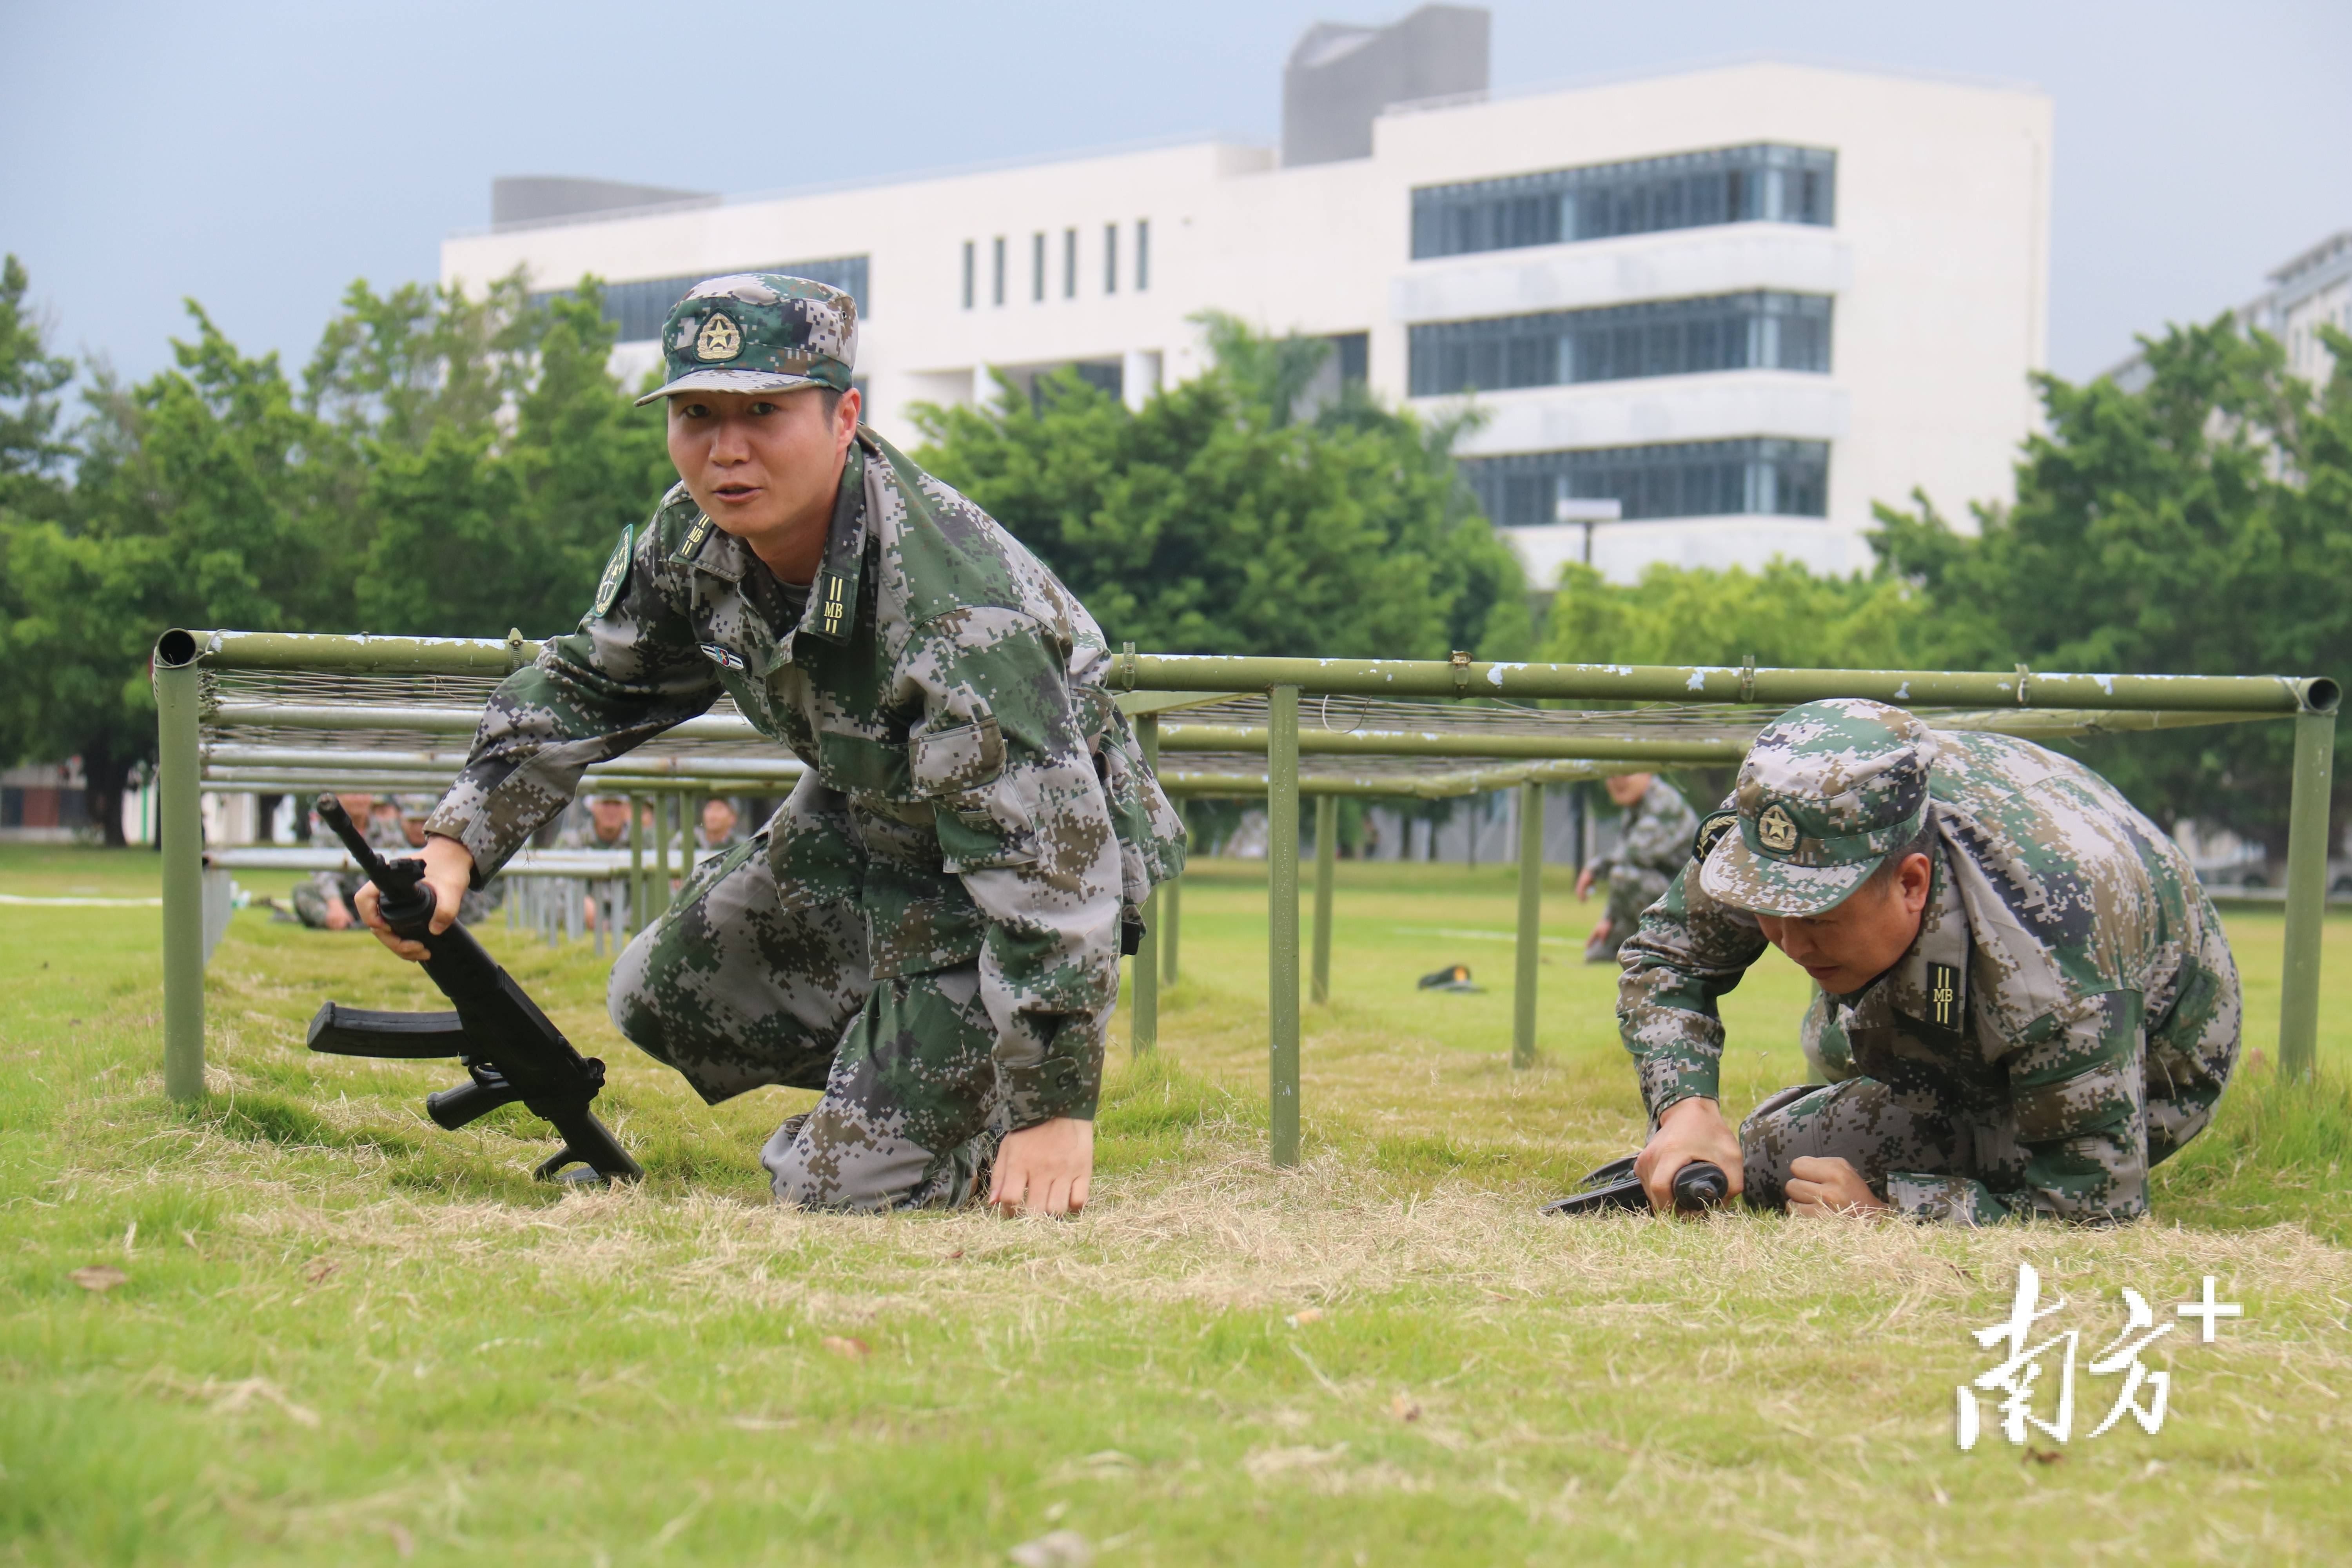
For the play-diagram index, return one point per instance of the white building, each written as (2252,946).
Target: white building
(2311,291)
(1745,300)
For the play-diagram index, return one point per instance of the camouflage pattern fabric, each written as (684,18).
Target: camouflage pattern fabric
(942,684)
(312,895)
(758,331)
(1653,842)
(2067,1017)
(762,972)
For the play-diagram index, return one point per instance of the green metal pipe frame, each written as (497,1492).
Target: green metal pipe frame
(1568,746)
(1326,857)
(181,827)
(1143,1034)
(1717,683)
(430,720)
(1523,992)
(2306,893)
(1171,902)
(1282,894)
(1462,677)
(220,756)
(2165,698)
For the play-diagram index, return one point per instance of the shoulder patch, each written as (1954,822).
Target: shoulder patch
(687,551)
(1712,828)
(616,573)
(1943,990)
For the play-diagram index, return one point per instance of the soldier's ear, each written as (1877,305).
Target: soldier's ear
(1915,877)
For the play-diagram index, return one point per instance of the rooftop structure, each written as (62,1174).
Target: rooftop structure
(1741,301)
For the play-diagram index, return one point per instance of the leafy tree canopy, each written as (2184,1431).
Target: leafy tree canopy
(1216,519)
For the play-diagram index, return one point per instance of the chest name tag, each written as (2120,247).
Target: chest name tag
(1943,995)
(1710,833)
(832,609)
(726,656)
(616,573)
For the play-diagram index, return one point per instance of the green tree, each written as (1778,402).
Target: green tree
(32,451)
(1217,520)
(472,521)
(2200,523)
(1780,616)
(195,504)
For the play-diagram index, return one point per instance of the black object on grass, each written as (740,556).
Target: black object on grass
(510,1049)
(1699,1185)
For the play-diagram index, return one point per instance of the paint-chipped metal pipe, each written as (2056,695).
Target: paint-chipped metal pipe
(1143,1031)
(1523,992)
(1281,895)
(2306,892)
(1227,782)
(221,757)
(1719,683)
(1567,744)
(437,720)
(180,827)
(1327,856)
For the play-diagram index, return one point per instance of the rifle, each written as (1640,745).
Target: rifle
(1701,1184)
(509,1049)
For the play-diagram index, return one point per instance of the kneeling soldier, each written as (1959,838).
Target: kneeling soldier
(2026,999)
(930,928)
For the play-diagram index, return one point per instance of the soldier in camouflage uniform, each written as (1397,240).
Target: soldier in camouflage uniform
(2026,1000)
(930,928)
(1653,841)
(327,900)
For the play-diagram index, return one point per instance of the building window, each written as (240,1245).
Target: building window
(1037,266)
(1110,259)
(638,310)
(1143,254)
(1765,182)
(996,278)
(1686,478)
(969,265)
(1069,264)
(1751,331)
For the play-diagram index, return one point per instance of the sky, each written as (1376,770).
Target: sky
(259,157)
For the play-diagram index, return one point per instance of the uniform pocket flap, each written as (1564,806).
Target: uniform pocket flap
(976,841)
(952,760)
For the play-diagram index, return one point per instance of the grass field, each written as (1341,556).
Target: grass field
(346,1336)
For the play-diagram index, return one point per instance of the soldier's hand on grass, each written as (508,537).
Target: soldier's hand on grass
(1829,1186)
(448,871)
(1043,1169)
(1584,884)
(1690,1130)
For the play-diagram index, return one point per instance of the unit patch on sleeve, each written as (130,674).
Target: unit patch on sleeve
(726,656)
(1714,827)
(616,573)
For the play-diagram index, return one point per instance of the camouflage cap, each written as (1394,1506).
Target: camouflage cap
(1827,792)
(758,331)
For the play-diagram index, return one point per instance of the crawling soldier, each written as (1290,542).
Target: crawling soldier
(2026,1000)
(930,928)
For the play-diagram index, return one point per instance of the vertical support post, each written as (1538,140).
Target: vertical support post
(1326,854)
(2306,892)
(1523,998)
(1282,894)
(1143,1032)
(1171,899)
(181,823)
(662,803)
(641,912)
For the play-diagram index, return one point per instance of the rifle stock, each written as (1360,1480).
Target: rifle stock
(510,1049)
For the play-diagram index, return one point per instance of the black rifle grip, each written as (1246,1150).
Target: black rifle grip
(1701,1184)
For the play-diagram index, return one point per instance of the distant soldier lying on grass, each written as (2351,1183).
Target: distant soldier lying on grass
(930,928)
(2025,998)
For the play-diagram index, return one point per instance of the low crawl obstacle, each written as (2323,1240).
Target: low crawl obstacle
(285,711)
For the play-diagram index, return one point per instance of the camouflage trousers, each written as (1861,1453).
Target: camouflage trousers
(759,974)
(1632,889)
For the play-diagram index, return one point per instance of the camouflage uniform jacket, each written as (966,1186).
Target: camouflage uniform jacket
(2070,1001)
(1656,833)
(942,679)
